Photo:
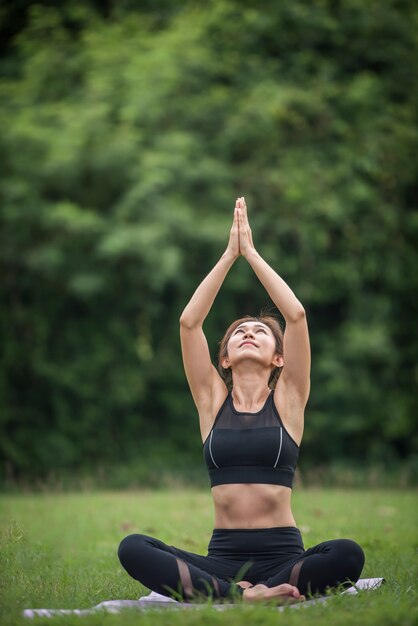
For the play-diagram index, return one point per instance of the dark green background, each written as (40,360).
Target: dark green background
(127,131)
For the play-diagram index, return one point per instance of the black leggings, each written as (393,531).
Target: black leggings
(271,556)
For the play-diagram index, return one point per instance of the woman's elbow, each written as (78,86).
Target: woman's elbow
(187,322)
(297,315)
(183,320)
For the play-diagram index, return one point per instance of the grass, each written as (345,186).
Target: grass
(59,551)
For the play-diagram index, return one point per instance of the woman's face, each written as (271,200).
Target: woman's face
(252,340)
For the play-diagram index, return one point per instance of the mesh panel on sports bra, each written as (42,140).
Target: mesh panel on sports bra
(230,418)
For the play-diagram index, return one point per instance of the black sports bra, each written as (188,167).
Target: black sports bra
(250,447)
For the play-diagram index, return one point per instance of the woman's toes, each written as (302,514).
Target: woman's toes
(255,593)
(244,584)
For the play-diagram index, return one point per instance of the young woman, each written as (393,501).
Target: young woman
(251,413)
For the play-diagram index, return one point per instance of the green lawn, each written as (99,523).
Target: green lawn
(60,551)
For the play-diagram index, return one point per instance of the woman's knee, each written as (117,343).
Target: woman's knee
(130,549)
(352,555)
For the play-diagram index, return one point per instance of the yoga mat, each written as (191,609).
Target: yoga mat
(156,600)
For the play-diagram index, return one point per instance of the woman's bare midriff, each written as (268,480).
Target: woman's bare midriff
(249,505)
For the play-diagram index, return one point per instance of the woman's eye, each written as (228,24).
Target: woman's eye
(261,330)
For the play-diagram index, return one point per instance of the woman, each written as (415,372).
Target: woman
(251,415)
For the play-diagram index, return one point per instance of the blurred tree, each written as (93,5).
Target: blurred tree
(126,135)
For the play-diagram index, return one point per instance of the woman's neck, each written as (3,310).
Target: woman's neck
(249,394)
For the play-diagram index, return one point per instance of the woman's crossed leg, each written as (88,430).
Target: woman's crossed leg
(328,565)
(177,573)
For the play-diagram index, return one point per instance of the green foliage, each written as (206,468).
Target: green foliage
(125,138)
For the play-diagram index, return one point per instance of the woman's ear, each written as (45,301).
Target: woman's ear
(225,362)
(278,360)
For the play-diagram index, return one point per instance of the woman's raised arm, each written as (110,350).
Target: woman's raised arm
(296,350)
(203,378)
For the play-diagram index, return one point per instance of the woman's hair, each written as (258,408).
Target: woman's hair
(275,327)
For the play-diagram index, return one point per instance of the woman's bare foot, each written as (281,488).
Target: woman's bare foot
(284,594)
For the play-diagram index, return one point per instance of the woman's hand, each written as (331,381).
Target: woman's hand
(246,245)
(233,244)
